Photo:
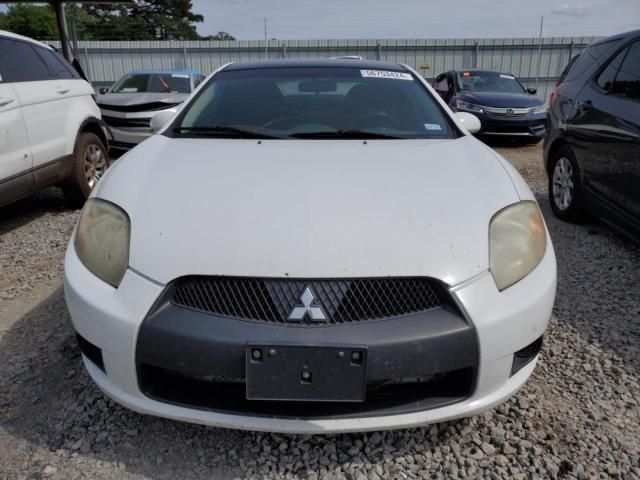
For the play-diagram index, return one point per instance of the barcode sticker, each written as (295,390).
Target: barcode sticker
(385,74)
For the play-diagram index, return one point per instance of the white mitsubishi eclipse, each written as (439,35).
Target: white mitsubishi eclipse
(311,246)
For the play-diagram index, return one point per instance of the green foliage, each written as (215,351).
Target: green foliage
(144,20)
(30,20)
(219,36)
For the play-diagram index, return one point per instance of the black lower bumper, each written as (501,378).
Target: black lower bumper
(198,360)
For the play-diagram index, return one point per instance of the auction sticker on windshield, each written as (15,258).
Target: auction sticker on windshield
(386,74)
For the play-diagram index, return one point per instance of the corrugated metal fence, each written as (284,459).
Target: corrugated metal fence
(104,62)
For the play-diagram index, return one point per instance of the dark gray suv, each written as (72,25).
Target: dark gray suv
(592,146)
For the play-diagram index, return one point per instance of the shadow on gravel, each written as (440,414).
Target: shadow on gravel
(22,212)
(47,399)
(598,284)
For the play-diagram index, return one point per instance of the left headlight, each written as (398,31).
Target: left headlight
(541,108)
(102,240)
(517,242)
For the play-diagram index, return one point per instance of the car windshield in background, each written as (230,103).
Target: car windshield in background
(314,103)
(153,83)
(489,82)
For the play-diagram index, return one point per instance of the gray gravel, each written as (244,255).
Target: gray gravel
(578,417)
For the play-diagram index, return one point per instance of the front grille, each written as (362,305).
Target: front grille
(126,122)
(140,107)
(341,300)
(506,113)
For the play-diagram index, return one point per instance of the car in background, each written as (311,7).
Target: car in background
(128,106)
(592,147)
(311,246)
(504,106)
(50,127)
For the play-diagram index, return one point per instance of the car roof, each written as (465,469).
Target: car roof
(317,63)
(166,70)
(620,36)
(15,36)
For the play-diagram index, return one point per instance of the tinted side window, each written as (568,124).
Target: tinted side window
(627,82)
(608,75)
(56,67)
(20,63)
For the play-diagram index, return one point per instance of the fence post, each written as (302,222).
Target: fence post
(476,54)
(184,57)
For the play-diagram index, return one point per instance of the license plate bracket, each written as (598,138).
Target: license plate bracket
(306,373)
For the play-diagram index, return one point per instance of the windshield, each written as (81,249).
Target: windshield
(319,103)
(153,83)
(489,82)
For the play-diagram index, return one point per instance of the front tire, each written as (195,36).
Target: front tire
(565,186)
(90,162)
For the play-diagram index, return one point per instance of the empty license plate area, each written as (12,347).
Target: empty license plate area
(306,373)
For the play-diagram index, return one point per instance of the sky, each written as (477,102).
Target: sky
(317,19)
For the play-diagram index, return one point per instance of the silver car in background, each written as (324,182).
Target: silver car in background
(128,106)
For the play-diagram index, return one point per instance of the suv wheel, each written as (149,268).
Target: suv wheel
(90,162)
(565,187)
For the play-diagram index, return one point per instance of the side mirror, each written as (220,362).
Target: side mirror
(532,91)
(160,119)
(469,121)
(103,90)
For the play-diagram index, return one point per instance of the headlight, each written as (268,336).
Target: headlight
(469,107)
(517,242)
(102,240)
(541,108)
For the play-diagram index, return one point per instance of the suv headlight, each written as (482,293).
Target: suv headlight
(102,240)
(517,242)
(541,108)
(469,107)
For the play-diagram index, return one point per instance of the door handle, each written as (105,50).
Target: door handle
(5,101)
(62,91)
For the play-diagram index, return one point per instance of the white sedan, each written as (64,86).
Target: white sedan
(311,246)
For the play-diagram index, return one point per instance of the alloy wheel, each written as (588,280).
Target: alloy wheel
(562,184)
(95,164)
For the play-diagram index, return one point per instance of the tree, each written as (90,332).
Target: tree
(219,36)
(31,21)
(144,20)
(147,20)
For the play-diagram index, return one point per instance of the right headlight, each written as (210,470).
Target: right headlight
(469,107)
(517,242)
(102,240)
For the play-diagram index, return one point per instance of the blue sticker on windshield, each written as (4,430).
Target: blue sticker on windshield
(433,126)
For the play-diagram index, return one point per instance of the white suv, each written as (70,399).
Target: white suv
(51,132)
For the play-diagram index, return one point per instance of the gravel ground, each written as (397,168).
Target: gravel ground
(578,417)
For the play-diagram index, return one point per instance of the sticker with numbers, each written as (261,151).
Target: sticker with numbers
(386,74)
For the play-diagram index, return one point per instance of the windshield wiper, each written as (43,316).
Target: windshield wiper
(346,134)
(236,132)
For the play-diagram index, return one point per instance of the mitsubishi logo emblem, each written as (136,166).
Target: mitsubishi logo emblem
(307,307)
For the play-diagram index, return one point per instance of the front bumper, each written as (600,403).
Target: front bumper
(532,127)
(495,326)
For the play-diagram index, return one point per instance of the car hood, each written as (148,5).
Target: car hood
(307,208)
(139,99)
(505,100)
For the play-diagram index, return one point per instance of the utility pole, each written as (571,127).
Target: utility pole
(266,42)
(539,53)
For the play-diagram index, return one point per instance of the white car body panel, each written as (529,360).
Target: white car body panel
(326,200)
(15,153)
(53,111)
